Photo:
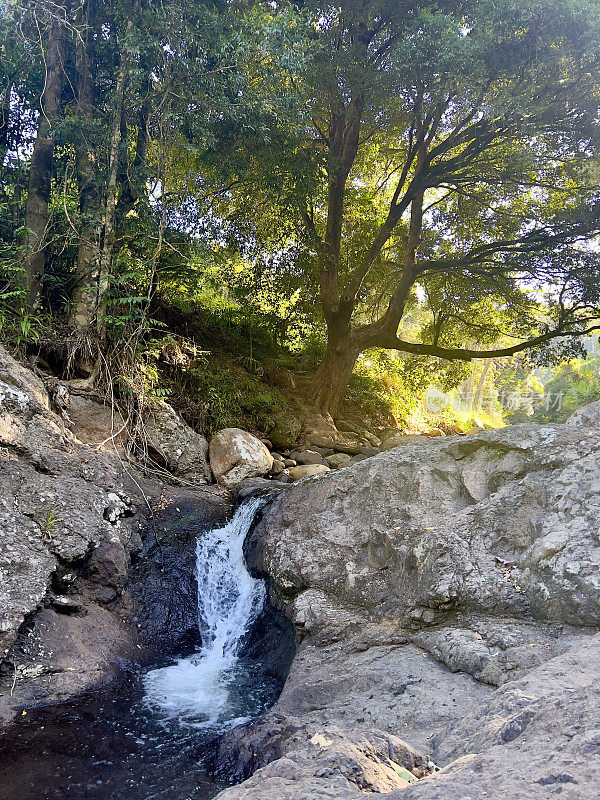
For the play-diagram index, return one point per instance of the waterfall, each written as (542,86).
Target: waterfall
(202,690)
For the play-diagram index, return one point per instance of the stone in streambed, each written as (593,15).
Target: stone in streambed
(256,487)
(307,471)
(307,457)
(235,455)
(184,451)
(278,466)
(338,460)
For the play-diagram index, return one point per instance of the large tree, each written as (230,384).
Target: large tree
(53,19)
(455,144)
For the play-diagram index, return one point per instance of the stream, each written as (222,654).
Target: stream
(148,737)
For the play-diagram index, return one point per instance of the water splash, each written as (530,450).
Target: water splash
(203,689)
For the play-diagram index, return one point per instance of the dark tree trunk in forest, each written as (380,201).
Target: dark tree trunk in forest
(95,259)
(4,121)
(133,178)
(40,175)
(334,372)
(83,298)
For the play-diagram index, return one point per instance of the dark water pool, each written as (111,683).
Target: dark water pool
(105,746)
(109,746)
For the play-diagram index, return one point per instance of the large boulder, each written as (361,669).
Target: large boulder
(285,430)
(502,521)
(77,560)
(236,454)
(96,422)
(534,738)
(445,592)
(184,451)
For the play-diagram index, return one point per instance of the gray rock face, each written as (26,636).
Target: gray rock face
(505,521)
(63,534)
(96,423)
(420,580)
(184,451)
(236,455)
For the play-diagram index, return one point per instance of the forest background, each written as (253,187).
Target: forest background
(384,210)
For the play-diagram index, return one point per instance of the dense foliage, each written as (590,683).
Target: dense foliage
(334,181)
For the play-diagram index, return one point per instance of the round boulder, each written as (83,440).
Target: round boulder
(586,416)
(285,430)
(338,460)
(306,457)
(236,455)
(183,451)
(306,470)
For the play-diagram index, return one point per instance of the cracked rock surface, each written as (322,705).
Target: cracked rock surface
(447,594)
(65,543)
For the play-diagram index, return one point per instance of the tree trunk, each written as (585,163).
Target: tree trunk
(109,220)
(110,200)
(4,121)
(133,181)
(481,383)
(40,175)
(334,372)
(83,298)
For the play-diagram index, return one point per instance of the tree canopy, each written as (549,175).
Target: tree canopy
(414,176)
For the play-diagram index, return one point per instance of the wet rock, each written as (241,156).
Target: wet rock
(67,604)
(236,454)
(161,581)
(254,487)
(69,529)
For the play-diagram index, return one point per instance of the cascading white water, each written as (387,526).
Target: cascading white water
(197,690)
